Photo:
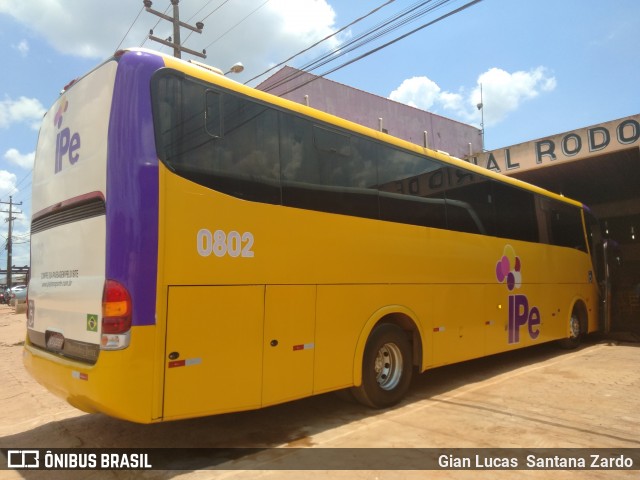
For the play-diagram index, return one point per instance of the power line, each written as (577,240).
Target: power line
(202,21)
(156,25)
(383,28)
(322,40)
(202,8)
(130,27)
(377,49)
(247,16)
(15,187)
(207,16)
(215,10)
(346,47)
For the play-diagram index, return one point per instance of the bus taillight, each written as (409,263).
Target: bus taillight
(116,316)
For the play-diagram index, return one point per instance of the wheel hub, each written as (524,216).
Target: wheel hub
(388,366)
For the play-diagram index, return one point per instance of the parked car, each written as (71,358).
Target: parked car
(6,295)
(17,293)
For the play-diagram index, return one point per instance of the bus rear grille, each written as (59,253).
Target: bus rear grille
(93,207)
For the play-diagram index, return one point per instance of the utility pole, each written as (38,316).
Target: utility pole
(175,44)
(9,246)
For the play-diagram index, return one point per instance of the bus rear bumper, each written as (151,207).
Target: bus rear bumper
(118,385)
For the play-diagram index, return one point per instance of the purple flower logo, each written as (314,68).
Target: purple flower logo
(57,120)
(67,142)
(509,268)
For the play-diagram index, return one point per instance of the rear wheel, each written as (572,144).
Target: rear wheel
(386,367)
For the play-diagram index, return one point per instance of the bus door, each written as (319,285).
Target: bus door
(610,263)
(213,354)
(606,260)
(235,348)
(289,348)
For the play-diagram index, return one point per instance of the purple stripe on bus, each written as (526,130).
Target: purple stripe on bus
(132,185)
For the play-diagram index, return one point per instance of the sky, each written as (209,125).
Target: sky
(545,66)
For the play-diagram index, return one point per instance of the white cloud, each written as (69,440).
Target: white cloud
(7,181)
(95,29)
(22,47)
(302,17)
(22,110)
(17,158)
(419,92)
(502,93)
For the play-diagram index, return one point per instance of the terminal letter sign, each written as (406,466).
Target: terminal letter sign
(604,138)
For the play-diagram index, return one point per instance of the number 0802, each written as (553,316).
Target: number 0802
(221,243)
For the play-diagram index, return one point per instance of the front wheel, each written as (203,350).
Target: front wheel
(386,367)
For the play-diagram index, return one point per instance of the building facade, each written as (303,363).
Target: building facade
(397,119)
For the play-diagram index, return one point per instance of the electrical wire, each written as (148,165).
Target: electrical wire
(394,22)
(201,8)
(238,23)
(156,25)
(15,187)
(390,24)
(210,13)
(308,67)
(377,49)
(215,10)
(130,27)
(340,30)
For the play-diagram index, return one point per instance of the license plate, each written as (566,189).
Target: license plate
(55,341)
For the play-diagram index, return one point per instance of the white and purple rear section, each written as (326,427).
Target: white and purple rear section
(95,204)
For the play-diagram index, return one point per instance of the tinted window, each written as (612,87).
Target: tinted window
(469,202)
(243,148)
(564,224)
(409,188)
(323,169)
(219,140)
(515,213)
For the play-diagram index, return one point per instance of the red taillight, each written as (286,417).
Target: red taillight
(116,308)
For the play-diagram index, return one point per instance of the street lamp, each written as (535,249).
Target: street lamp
(481,108)
(236,68)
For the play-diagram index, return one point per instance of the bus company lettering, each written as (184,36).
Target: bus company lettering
(509,270)
(67,143)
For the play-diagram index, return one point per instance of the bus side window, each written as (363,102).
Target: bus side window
(515,213)
(323,170)
(470,204)
(219,140)
(410,190)
(564,224)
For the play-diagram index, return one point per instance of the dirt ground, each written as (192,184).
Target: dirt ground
(539,397)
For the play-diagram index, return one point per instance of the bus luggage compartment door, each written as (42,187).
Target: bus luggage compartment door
(213,355)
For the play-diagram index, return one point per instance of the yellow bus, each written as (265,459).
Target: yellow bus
(201,247)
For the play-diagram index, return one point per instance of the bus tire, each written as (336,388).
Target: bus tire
(386,367)
(575,333)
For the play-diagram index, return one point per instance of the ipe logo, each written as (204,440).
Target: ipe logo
(67,144)
(509,270)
